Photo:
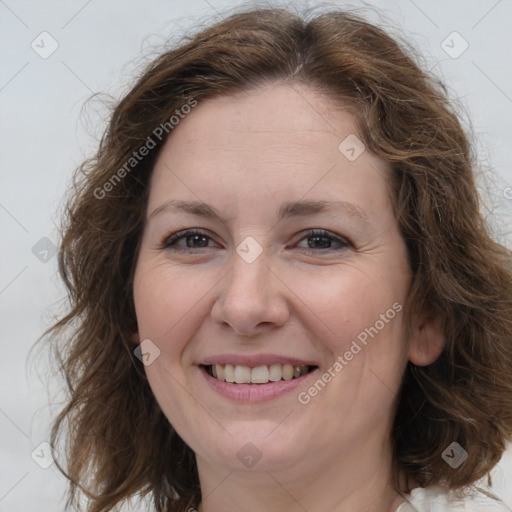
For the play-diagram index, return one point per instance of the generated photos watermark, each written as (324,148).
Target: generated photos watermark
(157,135)
(304,397)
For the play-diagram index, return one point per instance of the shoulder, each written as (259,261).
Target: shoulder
(436,499)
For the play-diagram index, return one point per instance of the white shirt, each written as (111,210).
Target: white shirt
(435,499)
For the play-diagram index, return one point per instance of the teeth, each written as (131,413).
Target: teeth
(258,375)
(219,370)
(275,372)
(229,373)
(287,372)
(242,374)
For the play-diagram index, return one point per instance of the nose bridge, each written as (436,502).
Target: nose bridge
(249,267)
(250,274)
(251,296)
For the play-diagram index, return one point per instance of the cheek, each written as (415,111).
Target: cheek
(342,303)
(168,302)
(356,316)
(359,325)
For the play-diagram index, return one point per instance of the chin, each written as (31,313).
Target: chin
(253,449)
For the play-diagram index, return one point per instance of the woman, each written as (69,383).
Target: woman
(283,293)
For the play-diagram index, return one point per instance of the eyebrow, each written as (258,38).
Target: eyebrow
(292,209)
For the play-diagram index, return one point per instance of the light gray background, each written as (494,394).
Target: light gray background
(44,134)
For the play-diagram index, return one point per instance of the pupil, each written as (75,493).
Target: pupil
(316,242)
(197,241)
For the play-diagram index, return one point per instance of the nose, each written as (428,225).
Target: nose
(252,300)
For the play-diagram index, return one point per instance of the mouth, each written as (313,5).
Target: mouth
(262,374)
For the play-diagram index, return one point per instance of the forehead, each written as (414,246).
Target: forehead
(274,108)
(259,143)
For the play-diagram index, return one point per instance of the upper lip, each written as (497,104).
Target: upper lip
(254,360)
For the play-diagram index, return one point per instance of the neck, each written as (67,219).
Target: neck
(358,480)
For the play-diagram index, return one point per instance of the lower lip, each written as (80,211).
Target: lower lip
(254,392)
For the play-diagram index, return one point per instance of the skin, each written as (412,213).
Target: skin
(246,155)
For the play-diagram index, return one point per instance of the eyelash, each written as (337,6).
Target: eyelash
(170,241)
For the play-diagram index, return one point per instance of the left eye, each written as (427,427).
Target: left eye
(319,239)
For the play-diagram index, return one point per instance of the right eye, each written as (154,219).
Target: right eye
(187,240)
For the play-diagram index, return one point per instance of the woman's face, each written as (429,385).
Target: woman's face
(294,266)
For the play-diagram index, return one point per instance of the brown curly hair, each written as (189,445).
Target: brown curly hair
(459,272)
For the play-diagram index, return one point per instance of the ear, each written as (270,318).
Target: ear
(135,338)
(427,339)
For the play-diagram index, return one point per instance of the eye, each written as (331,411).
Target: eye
(321,240)
(317,240)
(188,240)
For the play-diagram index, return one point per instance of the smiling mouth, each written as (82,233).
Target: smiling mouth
(238,374)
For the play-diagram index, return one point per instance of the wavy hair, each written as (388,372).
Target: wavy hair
(459,271)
